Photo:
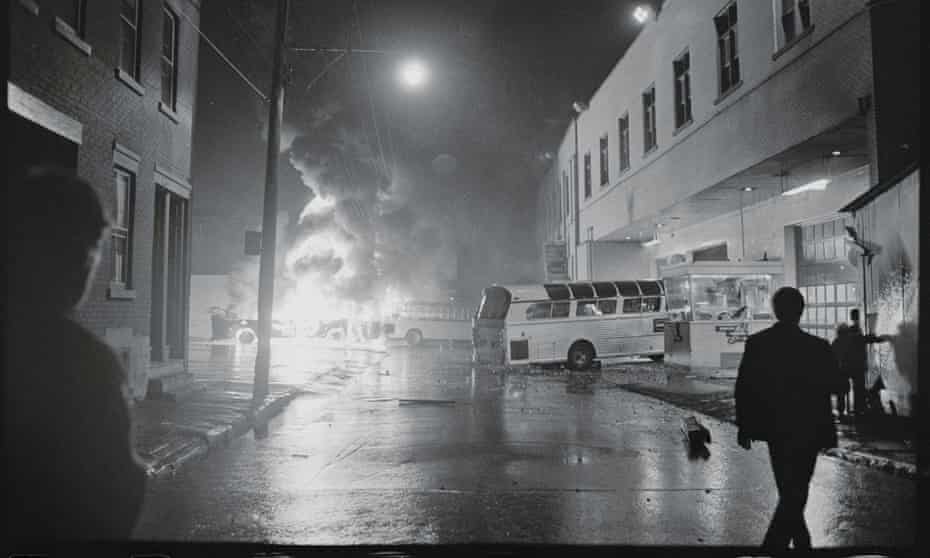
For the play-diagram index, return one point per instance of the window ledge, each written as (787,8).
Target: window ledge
(69,34)
(787,46)
(728,92)
(650,151)
(130,82)
(684,125)
(118,291)
(30,6)
(169,112)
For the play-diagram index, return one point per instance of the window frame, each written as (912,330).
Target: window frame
(604,160)
(123,229)
(650,131)
(681,71)
(169,14)
(136,27)
(623,133)
(728,49)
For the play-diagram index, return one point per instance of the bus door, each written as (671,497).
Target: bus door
(488,330)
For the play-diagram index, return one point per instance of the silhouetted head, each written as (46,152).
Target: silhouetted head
(55,224)
(788,304)
(854,315)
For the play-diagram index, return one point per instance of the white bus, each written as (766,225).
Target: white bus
(573,323)
(416,321)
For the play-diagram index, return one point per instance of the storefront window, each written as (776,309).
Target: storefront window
(721,297)
(677,298)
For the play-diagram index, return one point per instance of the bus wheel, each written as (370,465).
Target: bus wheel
(656,358)
(413,337)
(581,356)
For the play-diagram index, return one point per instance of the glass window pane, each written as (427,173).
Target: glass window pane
(538,311)
(831,315)
(607,306)
(839,244)
(841,292)
(651,304)
(828,294)
(587,308)
(819,297)
(852,295)
(821,315)
(818,250)
(808,250)
(632,305)
(829,251)
(828,230)
(560,309)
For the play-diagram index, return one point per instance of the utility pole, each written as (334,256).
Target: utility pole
(270,216)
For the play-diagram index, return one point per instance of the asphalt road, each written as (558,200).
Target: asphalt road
(418,447)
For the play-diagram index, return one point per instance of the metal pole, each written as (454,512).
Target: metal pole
(742,229)
(270,216)
(576,197)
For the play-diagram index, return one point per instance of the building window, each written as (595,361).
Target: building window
(623,128)
(795,18)
(649,119)
(728,59)
(824,242)
(682,68)
(605,169)
(566,189)
(122,226)
(129,31)
(587,175)
(75,17)
(169,58)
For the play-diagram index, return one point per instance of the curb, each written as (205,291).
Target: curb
(887,465)
(206,440)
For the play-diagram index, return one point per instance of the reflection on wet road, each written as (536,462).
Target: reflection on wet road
(421,448)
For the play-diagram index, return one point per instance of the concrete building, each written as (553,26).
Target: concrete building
(731,130)
(107,88)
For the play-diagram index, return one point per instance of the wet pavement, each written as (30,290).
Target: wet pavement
(421,448)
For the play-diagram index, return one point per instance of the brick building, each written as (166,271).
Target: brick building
(107,88)
(734,130)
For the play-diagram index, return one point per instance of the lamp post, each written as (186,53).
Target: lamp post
(579,107)
(270,214)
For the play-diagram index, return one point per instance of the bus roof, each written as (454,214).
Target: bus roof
(584,289)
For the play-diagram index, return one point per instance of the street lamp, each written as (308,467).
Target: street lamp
(413,73)
(642,14)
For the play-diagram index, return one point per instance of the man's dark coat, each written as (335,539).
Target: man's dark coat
(783,389)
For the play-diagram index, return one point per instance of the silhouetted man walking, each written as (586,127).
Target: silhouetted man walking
(70,465)
(783,389)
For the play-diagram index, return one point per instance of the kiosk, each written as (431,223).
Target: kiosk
(714,306)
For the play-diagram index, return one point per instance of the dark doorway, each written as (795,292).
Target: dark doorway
(169,276)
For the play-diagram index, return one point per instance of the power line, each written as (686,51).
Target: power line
(371,100)
(224,57)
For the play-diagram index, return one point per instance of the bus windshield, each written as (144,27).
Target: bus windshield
(495,302)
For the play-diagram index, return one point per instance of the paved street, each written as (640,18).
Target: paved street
(420,448)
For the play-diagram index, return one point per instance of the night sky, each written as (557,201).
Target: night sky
(503,77)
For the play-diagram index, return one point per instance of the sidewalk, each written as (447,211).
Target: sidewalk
(169,433)
(885,443)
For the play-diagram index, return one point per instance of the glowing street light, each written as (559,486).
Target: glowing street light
(414,74)
(642,14)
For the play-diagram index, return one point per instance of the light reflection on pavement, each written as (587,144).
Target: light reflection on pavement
(421,448)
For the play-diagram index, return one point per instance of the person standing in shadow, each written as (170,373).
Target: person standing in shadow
(71,470)
(855,361)
(783,396)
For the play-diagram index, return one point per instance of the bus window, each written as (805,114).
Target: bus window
(587,308)
(582,290)
(607,306)
(561,309)
(605,290)
(494,304)
(632,305)
(538,310)
(650,288)
(652,304)
(558,291)
(627,288)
